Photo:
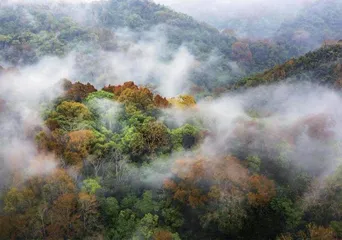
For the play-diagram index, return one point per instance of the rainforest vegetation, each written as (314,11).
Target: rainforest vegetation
(121,174)
(124,119)
(29,32)
(322,66)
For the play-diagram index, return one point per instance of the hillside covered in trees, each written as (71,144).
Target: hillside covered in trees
(125,167)
(31,31)
(304,23)
(125,120)
(318,22)
(322,66)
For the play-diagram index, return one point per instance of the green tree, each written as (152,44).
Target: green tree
(172,217)
(90,186)
(254,163)
(147,227)
(110,208)
(184,137)
(146,204)
(290,214)
(124,226)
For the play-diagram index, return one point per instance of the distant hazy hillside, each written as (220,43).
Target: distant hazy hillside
(323,66)
(250,19)
(320,21)
(28,32)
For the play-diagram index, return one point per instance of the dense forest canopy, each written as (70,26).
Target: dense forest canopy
(323,66)
(123,119)
(117,27)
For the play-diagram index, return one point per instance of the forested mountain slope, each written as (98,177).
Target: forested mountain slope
(323,66)
(141,144)
(316,23)
(126,163)
(31,31)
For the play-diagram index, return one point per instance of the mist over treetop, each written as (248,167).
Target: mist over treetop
(124,119)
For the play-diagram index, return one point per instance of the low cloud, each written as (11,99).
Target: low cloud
(4,2)
(145,58)
(22,93)
(247,16)
(300,119)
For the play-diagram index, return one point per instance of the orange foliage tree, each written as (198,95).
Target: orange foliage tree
(77,91)
(140,97)
(161,102)
(198,180)
(262,190)
(320,233)
(183,101)
(44,207)
(117,90)
(79,146)
(65,220)
(162,235)
(52,141)
(187,189)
